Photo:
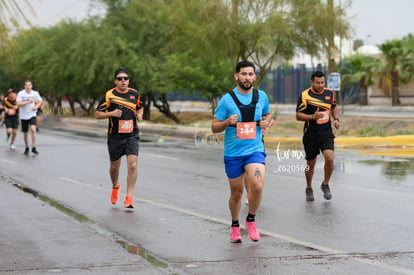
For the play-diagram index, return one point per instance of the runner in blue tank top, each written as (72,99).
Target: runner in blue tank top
(243,114)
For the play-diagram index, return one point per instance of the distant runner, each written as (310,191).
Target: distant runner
(11,119)
(122,107)
(316,106)
(29,101)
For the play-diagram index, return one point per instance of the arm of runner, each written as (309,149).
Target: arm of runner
(308,117)
(37,105)
(22,103)
(102,115)
(304,117)
(265,122)
(269,123)
(139,114)
(335,116)
(218,126)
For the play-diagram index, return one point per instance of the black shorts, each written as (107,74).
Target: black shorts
(26,123)
(315,144)
(11,122)
(119,146)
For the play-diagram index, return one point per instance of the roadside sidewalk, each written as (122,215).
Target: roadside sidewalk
(86,124)
(32,242)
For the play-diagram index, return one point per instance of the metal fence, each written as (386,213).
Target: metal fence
(284,85)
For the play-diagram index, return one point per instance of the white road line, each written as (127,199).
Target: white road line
(161,156)
(317,247)
(7,161)
(77,182)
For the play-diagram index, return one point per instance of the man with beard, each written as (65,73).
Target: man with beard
(243,113)
(316,106)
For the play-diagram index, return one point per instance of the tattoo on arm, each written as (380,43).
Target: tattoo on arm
(257,173)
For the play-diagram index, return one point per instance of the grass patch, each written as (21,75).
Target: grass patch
(371,131)
(404,132)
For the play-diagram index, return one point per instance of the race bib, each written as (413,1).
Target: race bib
(11,112)
(125,126)
(246,130)
(325,118)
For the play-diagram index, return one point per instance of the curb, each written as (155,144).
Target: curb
(400,145)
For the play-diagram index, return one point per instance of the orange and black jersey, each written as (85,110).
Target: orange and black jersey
(10,104)
(309,102)
(128,102)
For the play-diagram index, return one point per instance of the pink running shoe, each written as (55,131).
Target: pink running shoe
(253,232)
(235,236)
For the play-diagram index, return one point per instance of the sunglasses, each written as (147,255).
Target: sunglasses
(119,78)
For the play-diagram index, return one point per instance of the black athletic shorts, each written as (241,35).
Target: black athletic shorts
(11,122)
(119,146)
(315,144)
(26,123)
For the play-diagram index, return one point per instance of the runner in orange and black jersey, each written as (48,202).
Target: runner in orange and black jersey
(11,117)
(122,107)
(129,102)
(10,105)
(311,101)
(315,107)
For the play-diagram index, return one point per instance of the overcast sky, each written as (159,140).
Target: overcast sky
(373,21)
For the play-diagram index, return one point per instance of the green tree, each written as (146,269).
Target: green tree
(200,65)
(142,44)
(357,44)
(11,15)
(319,23)
(359,68)
(11,11)
(187,46)
(267,32)
(69,60)
(209,77)
(397,66)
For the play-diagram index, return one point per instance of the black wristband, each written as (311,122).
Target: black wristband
(337,119)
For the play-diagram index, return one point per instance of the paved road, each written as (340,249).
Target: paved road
(181,223)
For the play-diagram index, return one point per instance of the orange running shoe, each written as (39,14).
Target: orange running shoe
(115,194)
(128,203)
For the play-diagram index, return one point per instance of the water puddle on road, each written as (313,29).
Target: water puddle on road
(396,163)
(133,249)
(57,205)
(390,166)
(137,250)
(396,170)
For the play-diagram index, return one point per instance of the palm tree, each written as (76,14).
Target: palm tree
(359,68)
(407,64)
(398,54)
